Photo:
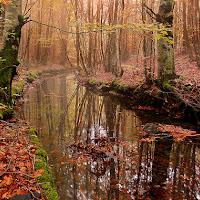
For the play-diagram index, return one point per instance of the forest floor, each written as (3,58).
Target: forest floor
(17,173)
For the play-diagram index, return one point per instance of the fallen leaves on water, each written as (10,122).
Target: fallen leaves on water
(178,132)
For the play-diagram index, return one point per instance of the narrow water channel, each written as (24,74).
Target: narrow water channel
(95,150)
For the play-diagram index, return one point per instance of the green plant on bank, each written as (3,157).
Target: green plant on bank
(46,179)
(31,76)
(123,87)
(166,85)
(5,111)
(18,87)
(119,86)
(115,83)
(182,77)
(93,82)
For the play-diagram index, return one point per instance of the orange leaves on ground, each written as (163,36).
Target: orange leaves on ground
(16,161)
(4,2)
(6,180)
(38,173)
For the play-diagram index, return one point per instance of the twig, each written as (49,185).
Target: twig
(150,9)
(8,167)
(18,172)
(5,68)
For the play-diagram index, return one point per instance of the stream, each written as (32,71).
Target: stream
(94,146)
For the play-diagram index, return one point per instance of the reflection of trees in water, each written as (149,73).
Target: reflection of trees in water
(128,169)
(184,171)
(160,166)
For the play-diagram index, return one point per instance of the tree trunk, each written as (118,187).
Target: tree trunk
(166,67)
(12,25)
(185,33)
(111,51)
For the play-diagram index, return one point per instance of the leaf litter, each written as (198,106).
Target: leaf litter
(17,174)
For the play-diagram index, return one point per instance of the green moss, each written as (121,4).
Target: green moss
(17,90)
(35,140)
(18,87)
(46,176)
(41,153)
(123,87)
(116,83)
(48,188)
(30,76)
(182,77)
(41,157)
(31,131)
(166,85)
(93,82)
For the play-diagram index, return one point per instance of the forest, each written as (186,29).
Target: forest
(99,99)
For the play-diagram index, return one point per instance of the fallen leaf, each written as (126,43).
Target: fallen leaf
(4,2)
(38,173)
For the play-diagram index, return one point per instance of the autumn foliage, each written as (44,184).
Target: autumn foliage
(17,174)
(4,2)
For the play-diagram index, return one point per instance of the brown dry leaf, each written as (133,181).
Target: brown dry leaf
(23,169)
(2,154)
(6,195)
(38,173)
(2,166)
(7,180)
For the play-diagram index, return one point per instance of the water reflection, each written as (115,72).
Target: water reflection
(95,149)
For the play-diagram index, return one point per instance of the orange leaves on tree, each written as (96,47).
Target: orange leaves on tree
(4,2)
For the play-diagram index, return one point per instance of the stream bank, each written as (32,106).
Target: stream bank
(173,98)
(28,162)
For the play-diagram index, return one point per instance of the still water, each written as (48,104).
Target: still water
(95,151)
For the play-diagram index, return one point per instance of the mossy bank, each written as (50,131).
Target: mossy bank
(41,162)
(164,97)
(6,110)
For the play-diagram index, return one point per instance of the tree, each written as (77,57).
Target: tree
(11,33)
(166,67)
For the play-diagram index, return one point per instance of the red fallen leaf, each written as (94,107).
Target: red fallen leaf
(12,121)
(14,186)
(32,147)
(55,152)
(20,191)
(6,195)
(2,154)
(38,173)
(7,180)
(23,169)
(145,108)
(4,2)
(33,189)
